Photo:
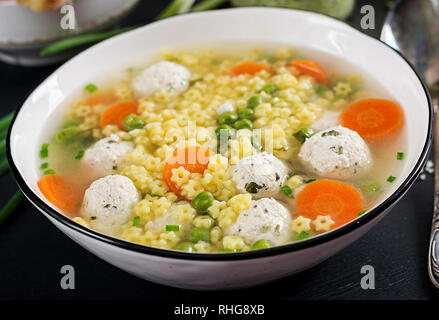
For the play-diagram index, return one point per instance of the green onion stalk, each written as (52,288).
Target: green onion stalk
(174,8)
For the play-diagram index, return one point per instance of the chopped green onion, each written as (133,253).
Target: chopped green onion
(391,179)
(91,88)
(11,205)
(66,134)
(330,133)
(310,180)
(399,155)
(371,187)
(172,227)
(44,151)
(71,123)
(50,171)
(362,212)
(303,134)
(302,236)
(136,221)
(44,165)
(79,155)
(287,190)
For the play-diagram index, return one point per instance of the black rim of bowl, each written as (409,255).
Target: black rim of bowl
(287,248)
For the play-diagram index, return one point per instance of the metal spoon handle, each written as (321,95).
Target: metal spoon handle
(433,251)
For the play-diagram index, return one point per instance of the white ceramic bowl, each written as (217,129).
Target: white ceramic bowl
(24,32)
(280,26)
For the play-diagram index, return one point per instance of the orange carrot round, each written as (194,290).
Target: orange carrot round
(248,67)
(338,200)
(310,68)
(116,114)
(193,159)
(373,118)
(61,193)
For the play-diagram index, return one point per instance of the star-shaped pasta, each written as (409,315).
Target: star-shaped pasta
(322,223)
(300,224)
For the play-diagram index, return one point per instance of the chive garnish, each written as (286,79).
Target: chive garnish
(44,151)
(79,155)
(391,179)
(172,227)
(136,221)
(44,165)
(361,212)
(399,155)
(91,88)
(287,190)
(310,180)
(303,134)
(302,236)
(50,171)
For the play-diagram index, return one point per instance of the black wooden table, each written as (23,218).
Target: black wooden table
(32,251)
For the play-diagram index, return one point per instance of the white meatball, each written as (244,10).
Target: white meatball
(262,175)
(337,152)
(163,75)
(104,157)
(108,201)
(265,219)
(225,107)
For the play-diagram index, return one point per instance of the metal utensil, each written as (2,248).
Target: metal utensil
(412,28)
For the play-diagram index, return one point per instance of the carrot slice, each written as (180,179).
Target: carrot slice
(61,193)
(310,68)
(116,113)
(105,97)
(248,67)
(193,159)
(338,200)
(373,118)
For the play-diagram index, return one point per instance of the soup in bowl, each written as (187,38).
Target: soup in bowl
(200,155)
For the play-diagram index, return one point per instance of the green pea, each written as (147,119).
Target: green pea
(243,124)
(226,131)
(254,101)
(66,134)
(260,244)
(186,246)
(200,234)
(203,201)
(269,88)
(132,122)
(246,113)
(228,117)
